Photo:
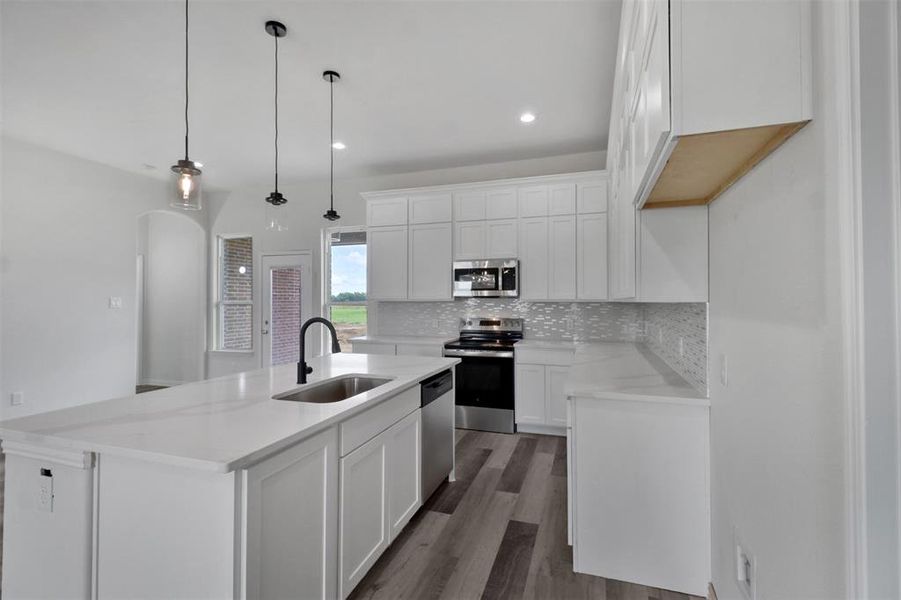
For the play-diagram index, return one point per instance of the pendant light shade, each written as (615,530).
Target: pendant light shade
(187,193)
(275,219)
(331,76)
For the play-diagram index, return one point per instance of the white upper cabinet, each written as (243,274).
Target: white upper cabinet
(562,257)
(386,211)
(562,199)
(469,240)
(469,206)
(430,208)
(430,262)
(501,238)
(591,256)
(533,201)
(387,263)
(501,203)
(704,90)
(533,258)
(592,197)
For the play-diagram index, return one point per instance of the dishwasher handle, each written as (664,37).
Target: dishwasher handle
(436,386)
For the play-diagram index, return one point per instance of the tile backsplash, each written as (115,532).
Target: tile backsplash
(660,326)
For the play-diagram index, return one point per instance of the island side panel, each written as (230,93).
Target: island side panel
(164,531)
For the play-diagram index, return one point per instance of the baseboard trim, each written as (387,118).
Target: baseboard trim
(542,430)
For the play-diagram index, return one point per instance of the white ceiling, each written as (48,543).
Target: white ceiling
(425,84)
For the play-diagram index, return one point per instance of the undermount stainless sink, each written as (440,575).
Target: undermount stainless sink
(333,390)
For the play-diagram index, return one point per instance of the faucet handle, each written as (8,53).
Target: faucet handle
(309,370)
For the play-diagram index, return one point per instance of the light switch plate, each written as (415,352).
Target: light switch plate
(17,398)
(115,302)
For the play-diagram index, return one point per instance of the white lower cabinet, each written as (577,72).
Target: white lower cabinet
(291,522)
(405,349)
(640,493)
(540,380)
(380,492)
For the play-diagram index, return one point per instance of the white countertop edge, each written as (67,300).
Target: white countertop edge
(404,339)
(401,384)
(573,394)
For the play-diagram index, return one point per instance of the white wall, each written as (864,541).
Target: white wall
(68,243)
(244,212)
(777,428)
(173,340)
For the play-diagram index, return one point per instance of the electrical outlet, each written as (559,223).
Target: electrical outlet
(745,569)
(17,398)
(115,302)
(724,370)
(436,324)
(681,348)
(45,491)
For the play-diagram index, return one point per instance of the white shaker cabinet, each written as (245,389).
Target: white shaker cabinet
(533,201)
(387,263)
(430,208)
(562,199)
(562,257)
(530,390)
(291,522)
(591,256)
(501,238)
(533,258)
(383,212)
(469,205)
(501,203)
(380,492)
(469,240)
(430,262)
(555,398)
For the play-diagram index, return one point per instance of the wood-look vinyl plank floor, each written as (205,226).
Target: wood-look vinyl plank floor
(498,532)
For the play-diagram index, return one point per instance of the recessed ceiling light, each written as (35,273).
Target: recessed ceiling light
(339,146)
(527,117)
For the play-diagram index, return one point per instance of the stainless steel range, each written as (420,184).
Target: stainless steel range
(484,382)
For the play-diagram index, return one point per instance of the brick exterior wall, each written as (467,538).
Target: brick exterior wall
(237,319)
(285,327)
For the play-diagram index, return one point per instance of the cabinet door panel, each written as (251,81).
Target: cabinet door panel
(430,262)
(562,258)
(533,201)
(388,263)
(501,204)
(364,503)
(592,197)
(382,212)
(562,199)
(591,256)
(555,380)
(502,239)
(530,392)
(469,206)
(404,455)
(430,208)
(469,240)
(533,258)
(291,522)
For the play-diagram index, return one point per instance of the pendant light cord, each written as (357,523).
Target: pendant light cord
(276,113)
(331,86)
(186,80)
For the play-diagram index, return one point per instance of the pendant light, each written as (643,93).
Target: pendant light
(187,193)
(331,77)
(276,198)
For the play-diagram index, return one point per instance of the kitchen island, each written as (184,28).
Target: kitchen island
(214,489)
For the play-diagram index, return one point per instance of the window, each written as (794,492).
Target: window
(235,298)
(345,283)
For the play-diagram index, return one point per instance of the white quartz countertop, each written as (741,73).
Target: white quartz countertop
(404,339)
(547,344)
(627,371)
(220,424)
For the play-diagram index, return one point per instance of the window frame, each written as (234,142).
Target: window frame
(326,296)
(220,302)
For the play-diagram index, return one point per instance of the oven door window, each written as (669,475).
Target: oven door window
(485,382)
(476,279)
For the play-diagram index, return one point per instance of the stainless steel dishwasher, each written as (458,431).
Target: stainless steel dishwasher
(437,431)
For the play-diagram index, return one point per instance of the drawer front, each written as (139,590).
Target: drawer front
(358,430)
(544,356)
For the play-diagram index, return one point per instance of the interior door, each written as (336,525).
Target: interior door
(287,303)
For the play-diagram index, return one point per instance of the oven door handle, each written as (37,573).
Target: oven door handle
(477,354)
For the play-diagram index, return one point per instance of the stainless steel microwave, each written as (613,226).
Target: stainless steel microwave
(493,278)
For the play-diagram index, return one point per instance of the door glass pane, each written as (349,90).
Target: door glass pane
(347,299)
(284,328)
(349,321)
